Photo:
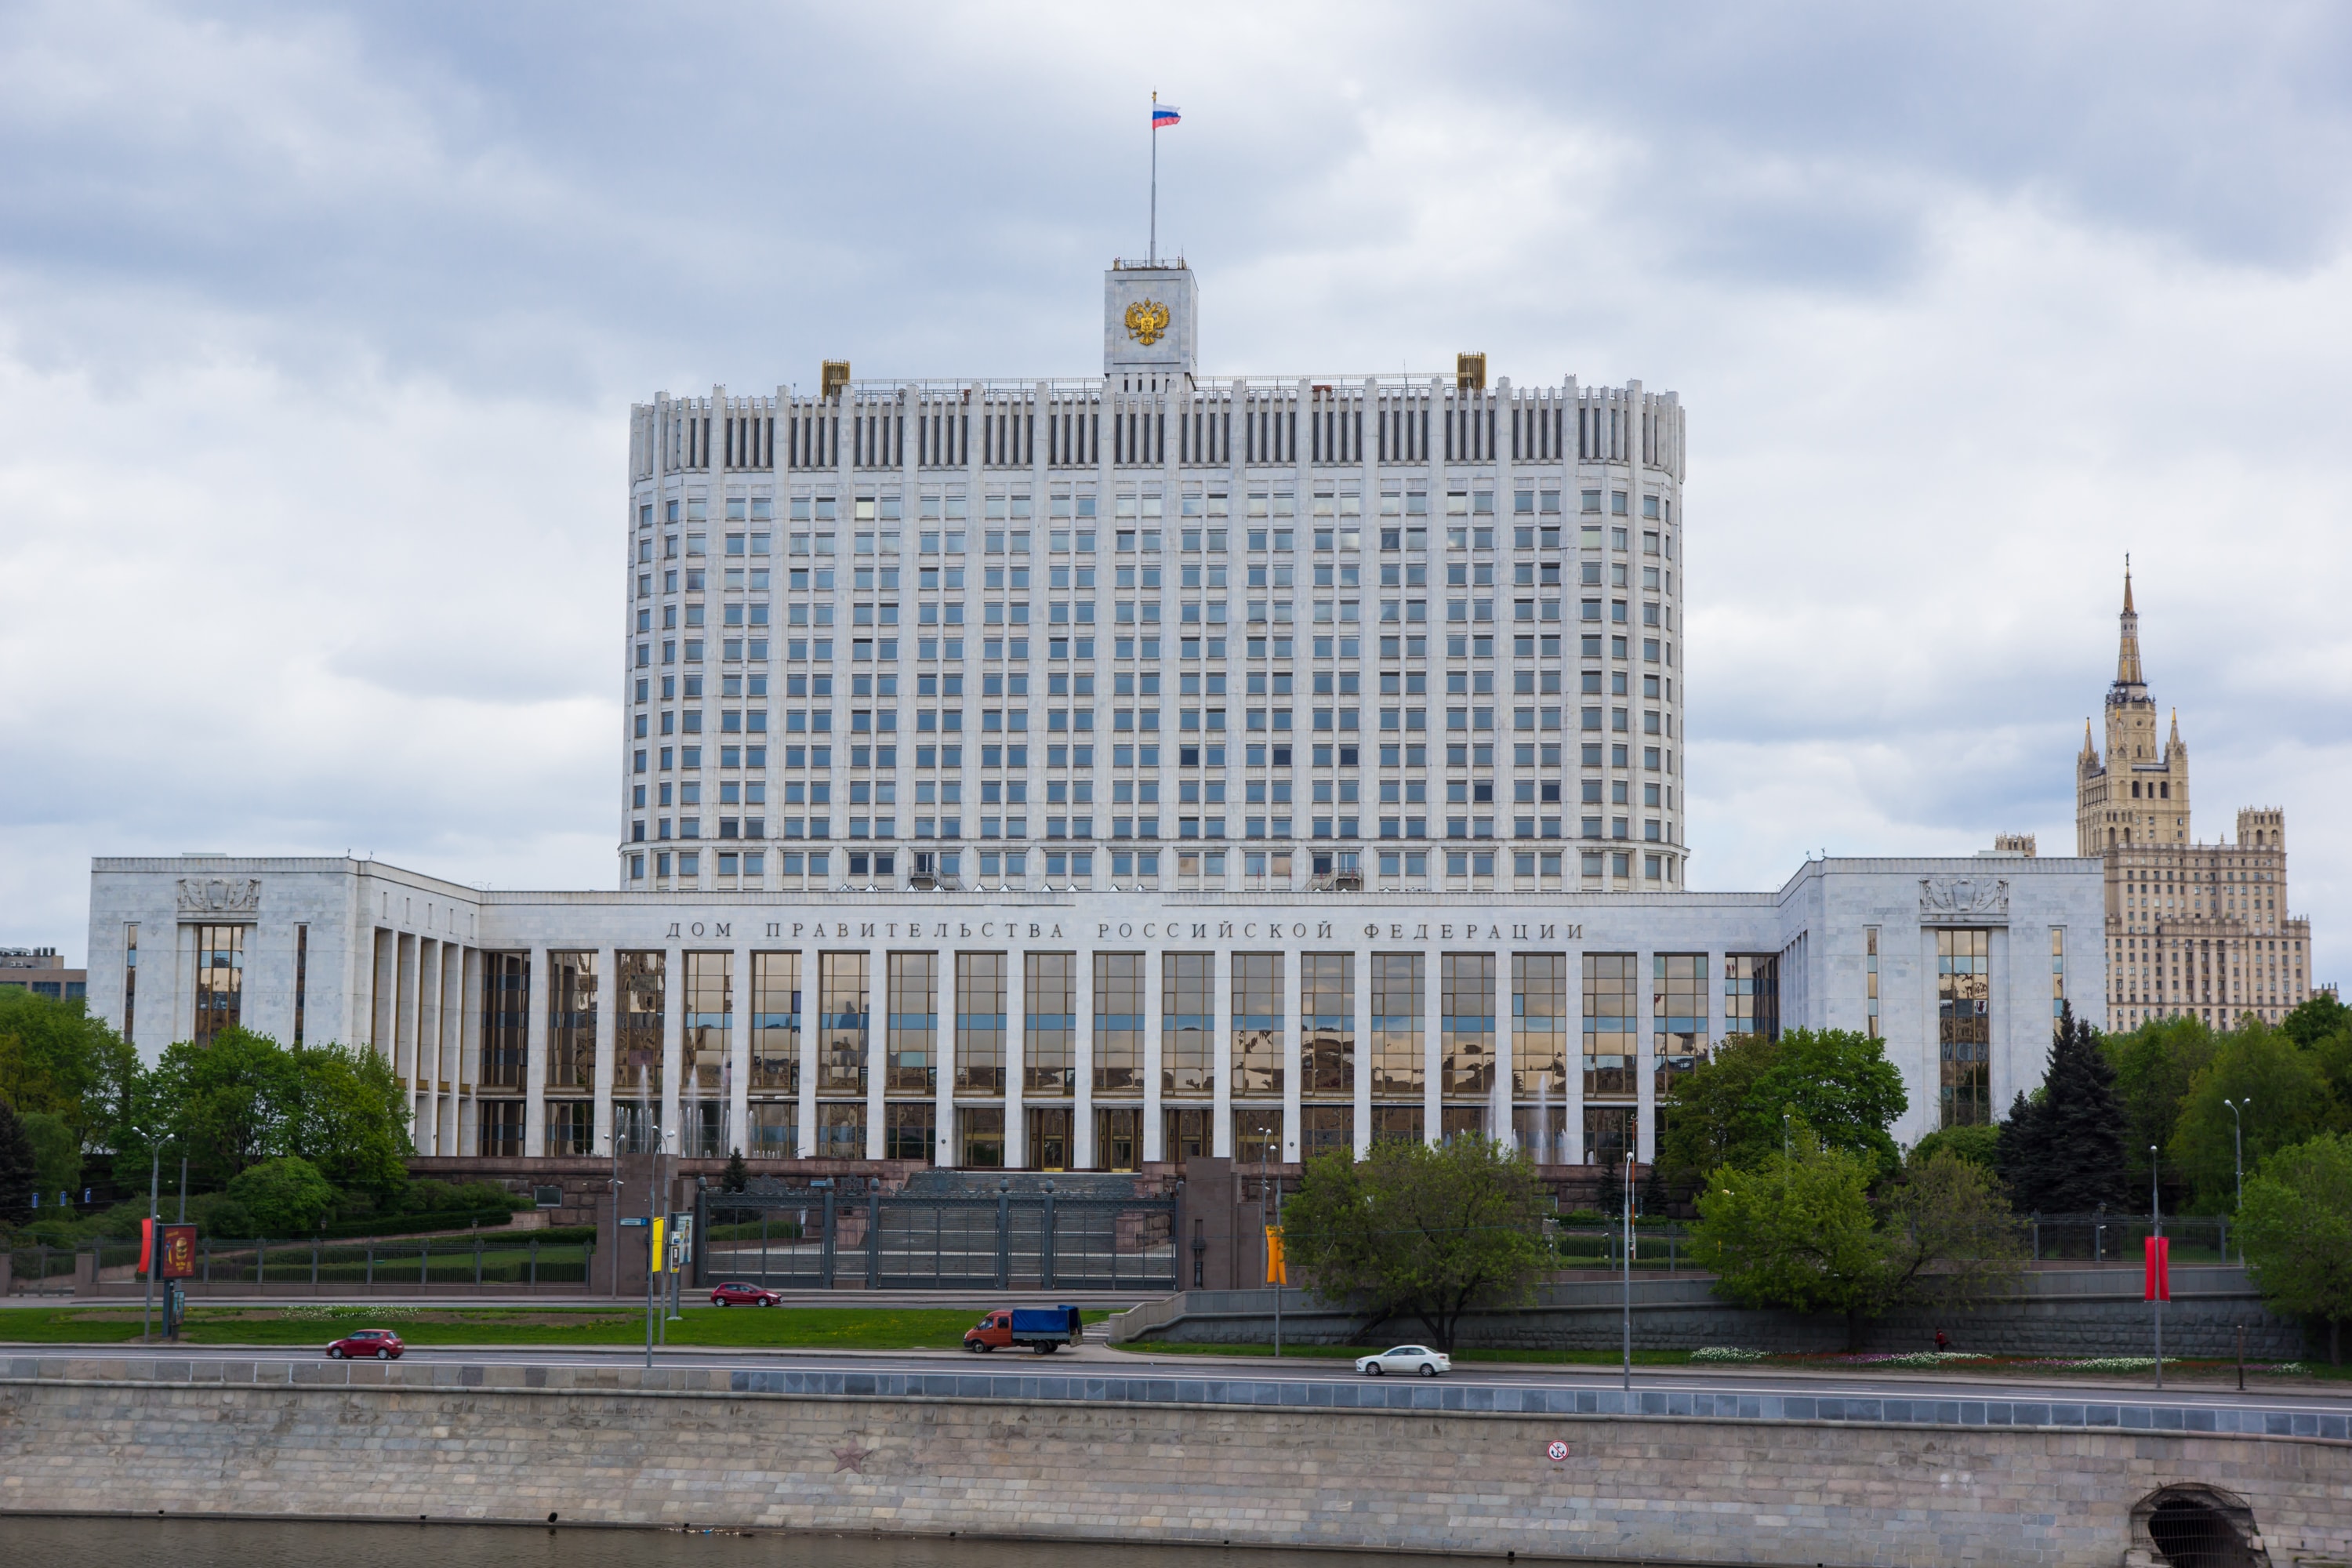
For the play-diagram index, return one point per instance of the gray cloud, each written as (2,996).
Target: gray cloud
(318,327)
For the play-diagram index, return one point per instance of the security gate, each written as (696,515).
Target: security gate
(816,1237)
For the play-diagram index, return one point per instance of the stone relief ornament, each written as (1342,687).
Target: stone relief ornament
(1962,897)
(220,895)
(1146,321)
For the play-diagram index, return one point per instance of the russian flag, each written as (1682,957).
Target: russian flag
(1163,115)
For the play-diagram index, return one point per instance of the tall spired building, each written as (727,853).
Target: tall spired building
(2192,928)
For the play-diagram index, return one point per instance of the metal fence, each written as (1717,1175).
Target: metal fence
(510,1262)
(815,1238)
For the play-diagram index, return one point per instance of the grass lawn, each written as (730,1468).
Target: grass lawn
(793,1328)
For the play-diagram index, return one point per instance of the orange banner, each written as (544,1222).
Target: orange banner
(1277,1266)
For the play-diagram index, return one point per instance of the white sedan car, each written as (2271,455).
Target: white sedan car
(1406,1358)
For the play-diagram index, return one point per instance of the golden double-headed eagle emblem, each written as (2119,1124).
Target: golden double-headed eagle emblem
(1146,321)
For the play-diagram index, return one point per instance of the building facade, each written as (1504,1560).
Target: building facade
(1086,1029)
(1156,630)
(40,971)
(2194,928)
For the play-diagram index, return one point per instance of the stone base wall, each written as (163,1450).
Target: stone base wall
(2069,1313)
(520,1444)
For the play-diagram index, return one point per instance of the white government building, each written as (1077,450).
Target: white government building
(1071,774)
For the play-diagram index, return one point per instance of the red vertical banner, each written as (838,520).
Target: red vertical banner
(146,1246)
(2159,1270)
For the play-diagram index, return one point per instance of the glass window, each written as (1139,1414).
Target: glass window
(571,1022)
(506,1022)
(637,1034)
(1467,1024)
(1611,1018)
(843,1021)
(775,1022)
(1539,1027)
(980,1130)
(1963,1026)
(1049,1043)
(1327,1021)
(1119,1014)
(913,1045)
(841,1124)
(220,980)
(980,1030)
(1257,1026)
(1397,1063)
(1678,1002)
(1188,1018)
(1751,994)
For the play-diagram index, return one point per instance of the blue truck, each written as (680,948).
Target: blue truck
(1041,1329)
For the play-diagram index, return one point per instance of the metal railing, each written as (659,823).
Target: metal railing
(818,1238)
(505,1261)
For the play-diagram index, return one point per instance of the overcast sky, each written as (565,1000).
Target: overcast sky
(319,330)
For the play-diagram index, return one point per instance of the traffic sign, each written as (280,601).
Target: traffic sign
(1557,1452)
(635,1220)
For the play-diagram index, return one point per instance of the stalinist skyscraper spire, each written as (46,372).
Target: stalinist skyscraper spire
(2200,929)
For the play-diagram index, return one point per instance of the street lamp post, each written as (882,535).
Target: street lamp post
(1629,1271)
(154,1242)
(2238,1150)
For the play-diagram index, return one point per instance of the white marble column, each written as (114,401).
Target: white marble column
(1432,1044)
(944,1149)
(811,980)
(1221,1055)
(536,993)
(608,1000)
(1081,1113)
(1498,1113)
(673,1044)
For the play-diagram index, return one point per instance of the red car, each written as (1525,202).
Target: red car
(735,1293)
(382,1344)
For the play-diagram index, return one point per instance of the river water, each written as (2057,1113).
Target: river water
(249,1543)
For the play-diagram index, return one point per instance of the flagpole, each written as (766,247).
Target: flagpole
(1155,178)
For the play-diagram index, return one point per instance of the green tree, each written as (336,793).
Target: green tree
(2297,1229)
(285,1196)
(244,1098)
(2062,1151)
(1803,1232)
(351,1118)
(1979,1145)
(56,1059)
(17,1169)
(57,1153)
(2284,1099)
(1417,1232)
(2155,1064)
(2316,1018)
(736,1178)
(1795,1231)
(1730,1109)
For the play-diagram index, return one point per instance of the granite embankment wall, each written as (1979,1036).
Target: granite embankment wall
(2056,1313)
(1421,1467)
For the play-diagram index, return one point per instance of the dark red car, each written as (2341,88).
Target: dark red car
(735,1293)
(379,1344)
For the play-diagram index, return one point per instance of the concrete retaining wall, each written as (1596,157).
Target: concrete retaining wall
(2058,1312)
(596,1444)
